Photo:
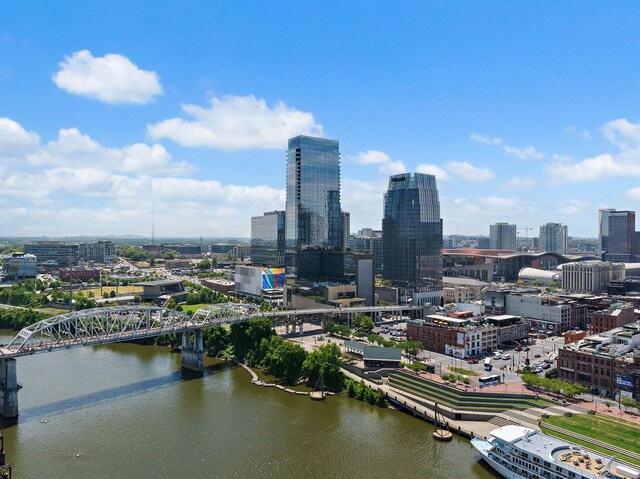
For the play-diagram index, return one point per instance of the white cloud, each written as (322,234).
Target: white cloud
(372,157)
(15,140)
(237,122)
(363,199)
(592,169)
(72,148)
(574,207)
(111,79)
(468,172)
(485,140)
(386,165)
(435,170)
(526,153)
(622,133)
(519,184)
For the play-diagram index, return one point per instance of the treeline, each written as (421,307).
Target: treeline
(362,392)
(17,319)
(23,294)
(256,343)
(556,386)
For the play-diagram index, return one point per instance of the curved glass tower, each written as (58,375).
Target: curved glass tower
(313,231)
(412,232)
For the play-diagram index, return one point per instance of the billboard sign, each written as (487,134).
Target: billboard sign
(273,278)
(625,381)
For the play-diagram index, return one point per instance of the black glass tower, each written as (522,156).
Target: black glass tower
(412,232)
(314,243)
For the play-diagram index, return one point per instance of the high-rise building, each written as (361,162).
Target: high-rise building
(502,236)
(554,238)
(99,252)
(346,229)
(53,253)
(616,235)
(267,239)
(314,225)
(412,232)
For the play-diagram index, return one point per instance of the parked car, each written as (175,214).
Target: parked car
(546,366)
(526,348)
(537,355)
(537,370)
(472,361)
(506,356)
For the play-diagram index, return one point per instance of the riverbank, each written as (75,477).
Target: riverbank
(255,379)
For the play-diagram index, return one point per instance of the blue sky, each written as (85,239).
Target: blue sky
(527,112)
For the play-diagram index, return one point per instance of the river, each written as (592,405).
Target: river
(125,411)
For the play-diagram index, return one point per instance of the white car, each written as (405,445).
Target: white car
(506,356)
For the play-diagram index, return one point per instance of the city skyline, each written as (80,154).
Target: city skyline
(522,118)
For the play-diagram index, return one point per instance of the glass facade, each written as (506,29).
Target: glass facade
(554,238)
(314,237)
(267,239)
(616,235)
(412,232)
(503,236)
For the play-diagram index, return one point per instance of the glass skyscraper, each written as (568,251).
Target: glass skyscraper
(267,239)
(314,233)
(412,232)
(616,235)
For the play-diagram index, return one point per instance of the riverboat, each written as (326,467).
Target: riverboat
(517,452)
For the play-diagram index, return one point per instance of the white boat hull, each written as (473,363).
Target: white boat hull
(482,447)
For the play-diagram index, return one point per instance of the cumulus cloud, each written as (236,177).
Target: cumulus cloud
(625,162)
(72,148)
(435,170)
(468,172)
(485,140)
(236,122)
(14,139)
(526,153)
(386,165)
(622,133)
(112,79)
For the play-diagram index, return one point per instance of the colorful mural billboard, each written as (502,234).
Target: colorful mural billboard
(272,278)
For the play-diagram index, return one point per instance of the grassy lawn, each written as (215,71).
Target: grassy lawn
(619,433)
(108,289)
(602,450)
(466,372)
(192,308)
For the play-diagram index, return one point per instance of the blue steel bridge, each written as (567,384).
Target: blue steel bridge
(114,324)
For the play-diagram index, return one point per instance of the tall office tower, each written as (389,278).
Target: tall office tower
(346,229)
(267,239)
(554,238)
(616,235)
(502,236)
(412,232)
(314,245)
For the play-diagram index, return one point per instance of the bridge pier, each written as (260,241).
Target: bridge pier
(192,354)
(8,388)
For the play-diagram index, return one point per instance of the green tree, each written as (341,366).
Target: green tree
(628,402)
(284,359)
(112,294)
(246,337)
(205,264)
(216,341)
(323,365)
